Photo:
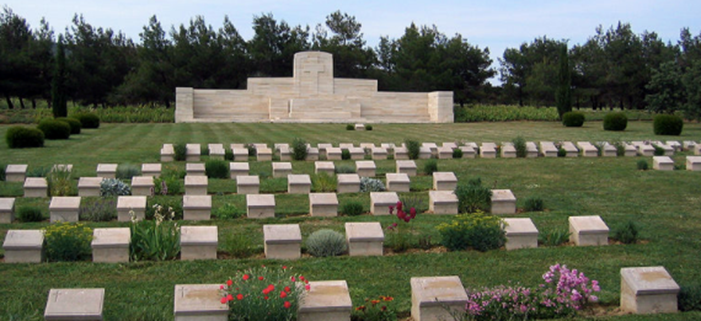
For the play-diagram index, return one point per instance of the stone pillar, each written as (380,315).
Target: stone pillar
(184,104)
(313,73)
(440,106)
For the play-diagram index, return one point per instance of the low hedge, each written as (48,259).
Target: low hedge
(573,119)
(615,121)
(55,129)
(668,125)
(75,124)
(88,120)
(24,137)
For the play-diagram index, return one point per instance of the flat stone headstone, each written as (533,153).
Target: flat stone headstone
(356,153)
(238,169)
(646,290)
(442,202)
(676,145)
(167,153)
(359,127)
(323,148)
(643,148)
(137,204)
(151,169)
(629,150)
(693,163)
(379,153)
(488,150)
(444,181)
(260,146)
(468,151)
(142,185)
(668,150)
(197,207)
(299,184)
(388,146)
(64,209)
(365,168)
(662,163)
(588,230)
(247,184)
(199,302)
(508,150)
(282,241)
(588,150)
(401,153)
(198,243)
(7,210)
(381,201)
(260,205)
(240,153)
(608,150)
(24,246)
(15,172)
(326,300)
(436,298)
(531,150)
(238,145)
(571,150)
(312,154)
(74,304)
(348,183)
(282,169)
(689,145)
(216,151)
(36,187)
(285,153)
(398,182)
(323,204)
(324,167)
(193,152)
(425,152)
(196,184)
(548,149)
(406,167)
(111,245)
(503,202)
(107,170)
(198,169)
(264,154)
(521,233)
(365,239)
(333,153)
(451,145)
(432,147)
(445,152)
(89,186)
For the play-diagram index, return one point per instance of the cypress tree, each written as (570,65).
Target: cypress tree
(563,96)
(58,83)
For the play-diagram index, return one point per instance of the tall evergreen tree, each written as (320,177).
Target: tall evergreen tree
(58,83)
(564,89)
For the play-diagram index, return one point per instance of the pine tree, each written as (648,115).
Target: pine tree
(563,96)
(58,83)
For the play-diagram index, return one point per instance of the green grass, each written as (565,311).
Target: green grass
(664,204)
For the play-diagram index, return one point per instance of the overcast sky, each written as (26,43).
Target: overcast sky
(496,24)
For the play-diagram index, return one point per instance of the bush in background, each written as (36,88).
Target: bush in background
(299,149)
(73,123)
(430,167)
(413,148)
(350,127)
(24,137)
(345,154)
(368,127)
(689,298)
(27,214)
(326,242)
(352,208)
(668,125)
(67,242)
(127,171)
(573,119)
(54,129)
(615,121)
(642,165)
(520,146)
(477,230)
(179,151)
(88,120)
(473,197)
(216,168)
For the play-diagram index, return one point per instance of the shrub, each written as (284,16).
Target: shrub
(29,214)
(171,208)
(238,245)
(659,151)
(668,125)
(323,182)
(60,183)
(689,298)
(326,242)
(413,148)
(457,153)
(67,242)
(473,197)
(626,233)
(371,185)
(344,169)
(615,121)
(179,151)
(114,187)
(299,149)
(251,149)
(520,146)
(642,165)
(534,204)
(157,240)
(228,154)
(620,148)
(430,167)
(227,211)
(73,123)
(216,168)
(24,137)
(368,127)
(345,154)
(477,230)
(350,127)
(204,150)
(573,119)
(561,152)
(2,172)
(352,208)
(554,237)
(54,129)
(127,171)
(88,120)
(41,171)
(100,210)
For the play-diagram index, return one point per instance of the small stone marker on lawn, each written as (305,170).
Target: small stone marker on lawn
(74,304)
(240,153)
(359,127)
(425,152)
(488,150)
(167,153)
(531,150)
(503,202)
(346,146)
(675,145)
(432,148)
(199,302)
(7,210)
(324,167)
(36,187)
(89,186)
(647,290)
(333,153)
(24,246)
(238,169)
(381,201)
(436,298)
(508,150)
(282,241)
(193,152)
(521,233)
(323,148)
(151,169)
(264,154)
(643,149)
(142,185)
(247,184)
(137,204)
(548,149)
(323,204)
(299,184)
(689,145)
(693,163)
(326,300)
(197,207)
(195,169)
(445,152)
(348,183)
(312,154)
(588,230)
(198,243)
(571,150)
(196,184)
(111,245)
(379,153)
(282,169)
(107,170)
(400,152)
(284,151)
(442,202)
(468,151)
(398,182)
(365,239)
(608,150)
(629,150)
(662,163)
(444,181)
(260,205)
(216,151)
(356,153)
(365,168)
(15,172)
(451,145)
(64,209)
(406,167)
(367,146)
(588,150)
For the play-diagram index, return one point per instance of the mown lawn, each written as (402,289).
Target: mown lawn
(664,204)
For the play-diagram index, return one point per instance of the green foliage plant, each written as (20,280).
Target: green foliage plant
(204,150)
(326,242)
(157,240)
(323,182)
(88,120)
(457,153)
(626,233)
(179,151)
(368,127)
(563,94)
(29,214)
(238,245)
(413,148)
(67,242)
(368,184)
(39,171)
(127,171)
(99,210)
(169,208)
(520,146)
(554,236)
(2,172)
(350,127)
(227,211)
(228,154)
(54,129)
(75,124)
(344,169)
(689,298)
(60,182)
(59,95)
(114,187)
(642,165)
(616,121)
(216,168)
(477,230)
(573,119)
(169,183)
(251,149)
(24,137)
(473,197)
(659,151)
(668,125)
(430,166)
(345,154)
(299,149)
(379,309)
(534,204)
(352,208)
(561,152)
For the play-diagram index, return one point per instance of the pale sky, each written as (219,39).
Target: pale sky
(496,24)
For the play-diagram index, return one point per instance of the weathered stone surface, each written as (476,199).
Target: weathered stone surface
(442,202)
(285,153)
(365,239)
(445,152)
(216,151)
(7,210)
(64,209)
(379,153)
(588,150)
(196,302)
(142,185)
(167,153)
(646,290)
(381,201)
(629,150)
(643,148)
(689,145)
(74,304)
(323,148)
(197,207)
(193,152)
(571,150)
(348,183)
(299,184)
(521,233)
(425,152)
(36,187)
(237,169)
(312,154)
(107,170)
(468,151)
(131,203)
(508,150)
(333,153)
(675,145)
(531,150)
(400,152)
(15,172)
(359,127)
(89,186)
(282,169)
(431,147)
(398,182)
(282,241)
(326,300)
(444,181)
(198,243)
(588,230)
(264,154)
(608,150)
(548,149)
(693,163)
(151,169)
(247,184)
(346,146)
(356,153)
(451,145)
(488,150)
(503,202)
(365,168)
(662,163)
(240,153)
(195,169)
(324,167)
(435,298)
(323,204)
(406,167)
(24,246)
(260,205)
(111,245)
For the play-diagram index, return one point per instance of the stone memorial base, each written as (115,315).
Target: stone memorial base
(398,182)
(646,290)
(548,149)
(406,167)
(435,298)
(588,150)
(299,184)
(198,243)
(111,245)
(348,183)
(16,172)
(197,207)
(24,246)
(326,300)
(196,185)
(36,187)
(264,154)
(401,153)
(503,202)
(246,184)
(64,209)
(151,169)
(693,163)
(588,230)
(7,210)
(379,153)
(193,152)
(365,168)
(260,206)
(282,169)
(137,204)
(324,167)
(89,186)
(197,302)
(323,204)
(238,169)
(381,201)
(167,153)
(444,181)
(107,170)
(662,163)
(521,233)
(442,202)
(74,304)
(365,239)
(445,152)
(142,186)
(195,169)
(282,241)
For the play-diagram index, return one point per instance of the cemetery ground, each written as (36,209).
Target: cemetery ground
(664,205)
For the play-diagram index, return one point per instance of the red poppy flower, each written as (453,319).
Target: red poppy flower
(301,278)
(224,300)
(307,287)
(239,296)
(260,278)
(287,304)
(284,267)
(229,297)
(399,206)
(265,297)
(283,294)
(221,287)
(293,279)
(246,277)
(360,308)
(306,281)
(229,282)
(287,289)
